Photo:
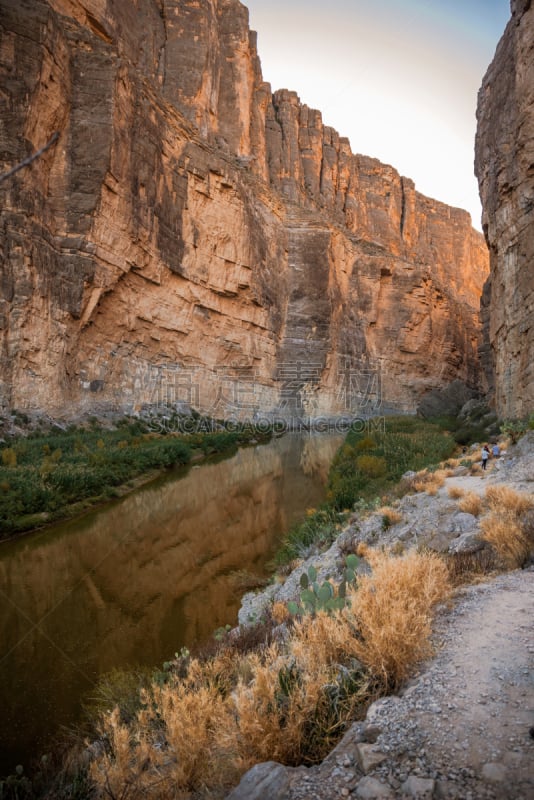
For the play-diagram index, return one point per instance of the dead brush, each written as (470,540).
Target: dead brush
(184,739)
(471,503)
(506,527)
(503,498)
(504,532)
(429,482)
(280,613)
(271,698)
(468,567)
(392,608)
(455,492)
(285,714)
(390,516)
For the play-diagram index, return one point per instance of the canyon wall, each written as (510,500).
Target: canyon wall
(505,169)
(192,237)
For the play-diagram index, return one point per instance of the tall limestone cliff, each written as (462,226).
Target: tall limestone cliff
(193,237)
(505,169)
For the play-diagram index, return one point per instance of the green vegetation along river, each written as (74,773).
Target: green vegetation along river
(132,582)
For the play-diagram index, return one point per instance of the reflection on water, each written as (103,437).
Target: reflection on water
(133,582)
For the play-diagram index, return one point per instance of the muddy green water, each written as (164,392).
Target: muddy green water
(131,583)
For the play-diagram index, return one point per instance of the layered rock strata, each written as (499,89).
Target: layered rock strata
(505,169)
(194,238)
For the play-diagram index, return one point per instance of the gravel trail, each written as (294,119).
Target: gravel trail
(463,727)
(460,728)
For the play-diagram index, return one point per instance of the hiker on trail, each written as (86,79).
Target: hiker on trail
(496,450)
(485,456)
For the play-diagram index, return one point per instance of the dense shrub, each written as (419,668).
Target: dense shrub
(404,443)
(46,473)
(288,699)
(366,466)
(371,466)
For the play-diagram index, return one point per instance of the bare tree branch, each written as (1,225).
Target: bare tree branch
(30,159)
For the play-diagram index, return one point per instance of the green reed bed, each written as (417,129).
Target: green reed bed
(46,477)
(366,467)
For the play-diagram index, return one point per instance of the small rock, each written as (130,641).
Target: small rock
(368,757)
(494,772)
(371,733)
(371,789)
(467,543)
(268,779)
(460,522)
(418,787)
(377,708)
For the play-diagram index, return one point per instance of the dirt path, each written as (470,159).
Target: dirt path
(460,729)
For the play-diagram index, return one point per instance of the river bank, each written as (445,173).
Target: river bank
(438,512)
(461,727)
(438,537)
(57,474)
(128,584)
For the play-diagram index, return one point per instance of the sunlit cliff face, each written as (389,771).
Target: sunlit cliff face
(193,238)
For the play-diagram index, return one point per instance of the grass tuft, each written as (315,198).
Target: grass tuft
(471,503)
(504,527)
(392,608)
(429,482)
(390,516)
(468,567)
(286,698)
(502,497)
(504,532)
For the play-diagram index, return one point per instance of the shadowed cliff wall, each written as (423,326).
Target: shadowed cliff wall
(505,169)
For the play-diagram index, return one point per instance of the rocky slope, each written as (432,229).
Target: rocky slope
(460,729)
(505,169)
(192,236)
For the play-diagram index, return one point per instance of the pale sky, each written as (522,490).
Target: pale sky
(398,77)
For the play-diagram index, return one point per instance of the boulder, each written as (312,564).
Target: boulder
(268,779)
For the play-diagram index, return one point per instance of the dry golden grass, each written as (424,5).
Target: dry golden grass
(455,492)
(429,486)
(392,609)
(390,514)
(503,531)
(471,503)
(279,612)
(476,469)
(503,528)
(502,498)
(202,731)
(470,567)
(429,482)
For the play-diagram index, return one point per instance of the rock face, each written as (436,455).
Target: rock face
(192,237)
(505,169)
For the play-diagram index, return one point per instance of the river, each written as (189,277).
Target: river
(135,580)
